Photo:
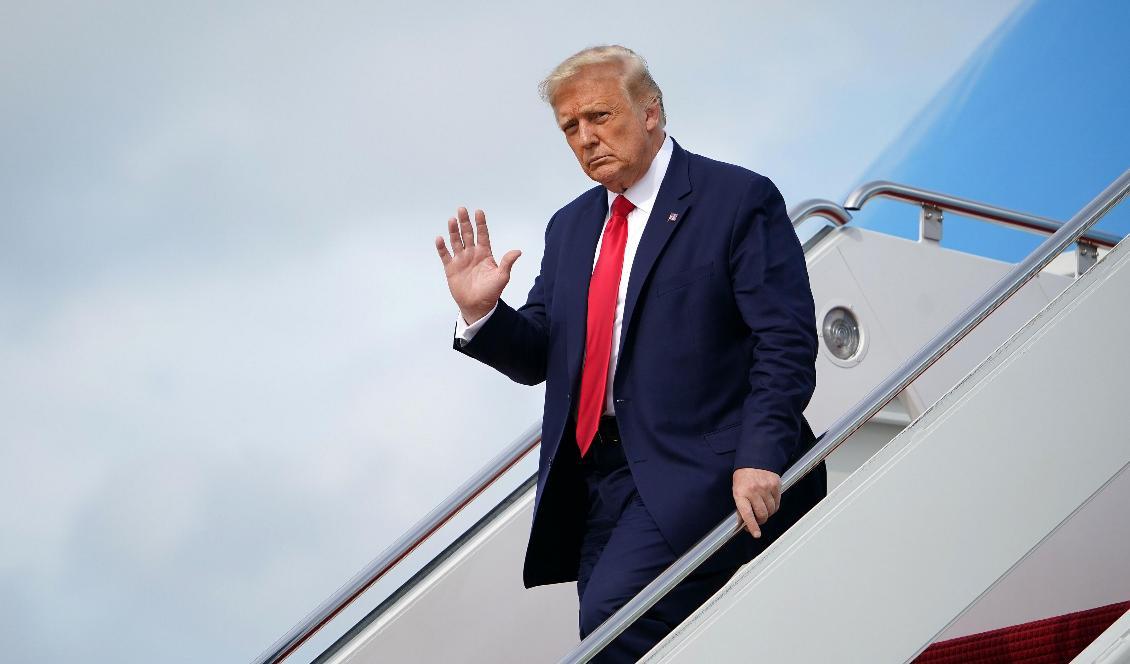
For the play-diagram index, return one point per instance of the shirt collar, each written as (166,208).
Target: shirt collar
(643,193)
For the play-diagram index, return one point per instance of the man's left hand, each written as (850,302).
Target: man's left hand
(757,494)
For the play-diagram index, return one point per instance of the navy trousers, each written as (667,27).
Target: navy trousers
(622,551)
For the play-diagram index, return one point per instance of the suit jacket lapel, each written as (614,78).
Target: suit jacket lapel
(577,261)
(668,213)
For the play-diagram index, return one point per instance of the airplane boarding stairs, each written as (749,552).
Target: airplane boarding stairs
(879,298)
(1015,478)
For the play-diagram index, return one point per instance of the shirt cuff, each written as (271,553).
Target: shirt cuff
(464,332)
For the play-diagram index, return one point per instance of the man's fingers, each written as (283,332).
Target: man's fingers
(453,235)
(508,261)
(441,247)
(466,231)
(747,515)
(481,229)
(760,509)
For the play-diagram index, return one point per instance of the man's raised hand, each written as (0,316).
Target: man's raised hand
(473,277)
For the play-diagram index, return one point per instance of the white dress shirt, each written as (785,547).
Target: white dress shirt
(642,194)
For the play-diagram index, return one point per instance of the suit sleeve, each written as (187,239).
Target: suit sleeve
(772,291)
(516,341)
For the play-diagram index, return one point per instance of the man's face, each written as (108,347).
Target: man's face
(613,138)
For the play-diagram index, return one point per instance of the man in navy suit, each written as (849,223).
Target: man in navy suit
(673,324)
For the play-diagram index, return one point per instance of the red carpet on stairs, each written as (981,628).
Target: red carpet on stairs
(1049,641)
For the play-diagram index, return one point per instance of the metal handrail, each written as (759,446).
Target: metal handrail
(819,207)
(398,550)
(963,206)
(445,511)
(848,424)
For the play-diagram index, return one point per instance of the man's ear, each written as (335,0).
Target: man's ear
(651,114)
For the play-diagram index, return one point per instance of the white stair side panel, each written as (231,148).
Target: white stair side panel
(474,608)
(1083,565)
(916,288)
(914,537)
(837,386)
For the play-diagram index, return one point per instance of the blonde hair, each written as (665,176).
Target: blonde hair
(635,78)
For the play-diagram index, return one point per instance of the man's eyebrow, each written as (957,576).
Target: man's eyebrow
(570,117)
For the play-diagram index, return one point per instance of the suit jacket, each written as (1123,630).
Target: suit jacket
(716,363)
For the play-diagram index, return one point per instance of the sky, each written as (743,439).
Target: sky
(226,377)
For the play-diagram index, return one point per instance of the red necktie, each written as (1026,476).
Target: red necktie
(603,290)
